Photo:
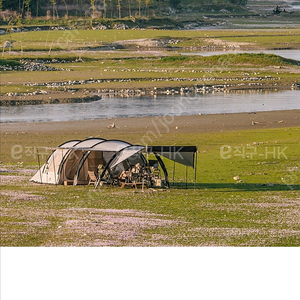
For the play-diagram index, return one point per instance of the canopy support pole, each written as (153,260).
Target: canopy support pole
(195,179)
(174,173)
(186,176)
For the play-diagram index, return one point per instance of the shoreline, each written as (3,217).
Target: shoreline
(61,98)
(163,124)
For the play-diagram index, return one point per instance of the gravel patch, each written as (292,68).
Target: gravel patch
(86,227)
(111,227)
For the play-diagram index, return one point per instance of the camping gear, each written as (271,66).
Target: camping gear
(116,162)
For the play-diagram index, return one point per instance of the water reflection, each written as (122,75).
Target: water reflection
(149,106)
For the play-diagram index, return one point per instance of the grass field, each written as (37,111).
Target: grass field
(86,39)
(261,209)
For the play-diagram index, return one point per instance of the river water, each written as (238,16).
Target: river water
(149,106)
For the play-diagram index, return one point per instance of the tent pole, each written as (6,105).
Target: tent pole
(38,157)
(54,168)
(98,181)
(60,165)
(147,153)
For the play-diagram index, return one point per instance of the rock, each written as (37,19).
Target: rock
(7,44)
(224,11)
(100,27)
(121,26)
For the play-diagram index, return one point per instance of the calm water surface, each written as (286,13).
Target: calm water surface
(149,106)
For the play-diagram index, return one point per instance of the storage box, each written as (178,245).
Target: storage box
(157,182)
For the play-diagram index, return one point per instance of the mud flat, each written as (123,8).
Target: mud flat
(165,124)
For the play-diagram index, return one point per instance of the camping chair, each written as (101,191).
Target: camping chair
(154,168)
(93,178)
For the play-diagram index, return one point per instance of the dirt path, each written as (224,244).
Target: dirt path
(195,123)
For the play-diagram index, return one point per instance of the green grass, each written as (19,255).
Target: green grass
(9,63)
(80,39)
(143,68)
(231,60)
(173,71)
(262,210)
(280,41)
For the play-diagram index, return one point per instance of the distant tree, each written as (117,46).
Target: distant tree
(11,5)
(147,2)
(119,8)
(54,9)
(37,7)
(93,6)
(237,2)
(66,6)
(174,3)
(139,3)
(26,5)
(111,8)
(104,8)
(129,8)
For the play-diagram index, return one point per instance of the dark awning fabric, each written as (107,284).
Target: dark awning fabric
(180,154)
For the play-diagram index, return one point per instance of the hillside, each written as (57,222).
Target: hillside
(115,8)
(169,14)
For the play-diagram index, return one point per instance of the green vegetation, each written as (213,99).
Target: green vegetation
(113,57)
(243,59)
(89,39)
(9,63)
(110,9)
(261,210)
(124,71)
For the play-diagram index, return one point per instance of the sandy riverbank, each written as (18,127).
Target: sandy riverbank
(163,125)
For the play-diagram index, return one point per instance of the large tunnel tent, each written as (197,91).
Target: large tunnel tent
(110,161)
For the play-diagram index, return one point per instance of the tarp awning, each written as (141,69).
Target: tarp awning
(184,155)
